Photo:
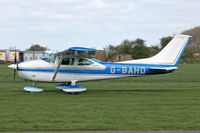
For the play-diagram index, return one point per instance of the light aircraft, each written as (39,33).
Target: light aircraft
(75,65)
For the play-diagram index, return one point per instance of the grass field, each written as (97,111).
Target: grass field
(161,102)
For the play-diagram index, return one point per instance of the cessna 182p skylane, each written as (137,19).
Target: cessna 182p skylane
(75,65)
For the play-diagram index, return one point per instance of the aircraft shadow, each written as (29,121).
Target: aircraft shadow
(134,90)
(90,91)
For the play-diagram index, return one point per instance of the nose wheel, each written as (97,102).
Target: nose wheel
(33,88)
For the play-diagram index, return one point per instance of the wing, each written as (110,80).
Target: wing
(78,52)
(81,49)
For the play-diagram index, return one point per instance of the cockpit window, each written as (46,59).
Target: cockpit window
(84,62)
(49,58)
(68,61)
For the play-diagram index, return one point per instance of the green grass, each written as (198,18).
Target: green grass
(159,102)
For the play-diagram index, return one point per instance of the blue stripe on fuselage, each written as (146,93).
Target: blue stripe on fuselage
(111,68)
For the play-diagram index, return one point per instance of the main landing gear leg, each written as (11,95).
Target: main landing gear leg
(73,83)
(60,86)
(34,83)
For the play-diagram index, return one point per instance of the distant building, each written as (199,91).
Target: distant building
(196,55)
(101,55)
(33,55)
(11,55)
(8,55)
(122,57)
(3,55)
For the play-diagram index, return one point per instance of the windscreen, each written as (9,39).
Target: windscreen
(49,58)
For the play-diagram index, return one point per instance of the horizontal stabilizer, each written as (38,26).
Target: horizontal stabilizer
(163,68)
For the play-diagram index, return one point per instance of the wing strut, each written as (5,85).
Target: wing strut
(55,73)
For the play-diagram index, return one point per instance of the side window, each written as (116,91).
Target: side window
(68,61)
(84,62)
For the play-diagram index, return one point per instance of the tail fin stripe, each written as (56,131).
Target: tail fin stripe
(181,52)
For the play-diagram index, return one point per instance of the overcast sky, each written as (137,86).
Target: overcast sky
(60,24)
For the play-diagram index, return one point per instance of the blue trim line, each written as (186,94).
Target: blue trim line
(182,51)
(38,70)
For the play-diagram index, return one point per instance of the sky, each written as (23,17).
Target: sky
(60,24)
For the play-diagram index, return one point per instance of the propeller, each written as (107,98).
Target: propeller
(15,62)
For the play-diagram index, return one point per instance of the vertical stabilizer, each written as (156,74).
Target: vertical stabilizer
(170,54)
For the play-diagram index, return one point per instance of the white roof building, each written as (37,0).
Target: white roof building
(33,55)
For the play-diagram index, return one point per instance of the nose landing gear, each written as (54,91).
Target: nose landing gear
(33,88)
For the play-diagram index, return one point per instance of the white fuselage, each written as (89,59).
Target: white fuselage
(41,71)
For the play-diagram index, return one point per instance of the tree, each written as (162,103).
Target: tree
(125,47)
(139,41)
(136,49)
(154,50)
(195,40)
(37,47)
(110,51)
(139,50)
(165,40)
(188,53)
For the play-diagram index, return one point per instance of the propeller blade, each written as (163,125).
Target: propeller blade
(15,60)
(14,73)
